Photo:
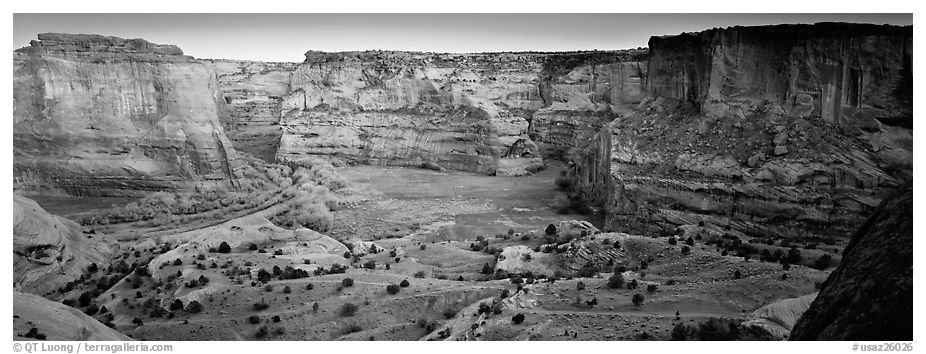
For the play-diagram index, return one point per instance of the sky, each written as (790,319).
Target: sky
(285,37)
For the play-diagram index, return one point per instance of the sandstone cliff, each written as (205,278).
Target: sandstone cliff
(722,144)
(492,113)
(50,251)
(870,295)
(97,115)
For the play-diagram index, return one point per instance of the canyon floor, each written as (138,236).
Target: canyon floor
(422,227)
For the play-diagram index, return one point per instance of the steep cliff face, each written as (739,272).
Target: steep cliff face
(253,93)
(846,74)
(50,251)
(870,295)
(457,111)
(98,115)
(719,144)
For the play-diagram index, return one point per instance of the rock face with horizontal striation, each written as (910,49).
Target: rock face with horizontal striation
(97,115)
(50,251)
(253,93)
(718,143)
(455,111)
(845,74)
(870,294)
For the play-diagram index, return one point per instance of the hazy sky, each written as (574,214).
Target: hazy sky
(285,37)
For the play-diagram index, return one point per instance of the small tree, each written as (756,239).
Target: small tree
(686,250)
(392,289)
(347,282)
(194,307)
(517,319)
(637,299)
(254,319)
(224,247)
(309,286)
(176,305)
(737,274)
(616,281)
(486,269)
(825,261)
(672,240)
(287,289)
(348,309)
(550,230)
(633,284)
(404,283)
(580,286)
(423,247)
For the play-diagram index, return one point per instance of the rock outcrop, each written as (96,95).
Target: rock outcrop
(56,321)
(97,115)
(722,144)
(846,74)
(50,251)
(778,318)
(870,295)
(454,111)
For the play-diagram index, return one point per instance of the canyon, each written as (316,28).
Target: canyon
(723,171)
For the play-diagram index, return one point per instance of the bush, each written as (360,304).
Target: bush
(580,286)
(637,299)
(616,281)
(517,319)
(420,274)
(825,261)
(178,262)
(505,293)
(224,247)
(392,289)
(194,307)
(254,319)
(261,332)
(348,310)
(176,305)
(449,313)
(651,288)
(252,247)
(347,282)
(550,230)
(347,254)
(686,250)
(404,283)
(587,271)
(423,247)
(486,269)
(369,265)
(632,284)
(261,305)
(737,274)
(309,286)
(672,240)
(268,287)
(287,289)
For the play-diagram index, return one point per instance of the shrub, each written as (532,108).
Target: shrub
(550,230)
(616,281)
(91,310)
(737,274)
(254,319)
(347,282)
(516,280)
(825,261)
(261,332)
(261,305)
(486,269)
(651,288)
(176,305)
(178,262)
(587,271)
(632,284)
(423,247)
(268,287)
(369,265)
(309,286)
(252,247)
(580,286)
(637,299)
(517,319)
(348,309)
(275,318)
(194,307)
(224,247)
(420,274)
(346,254)
(505,293)
(449,313)
(686,250)
(287,289)
(672,240)
(392,289)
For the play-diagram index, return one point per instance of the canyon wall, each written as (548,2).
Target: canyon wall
(725,140)
(97,115)
(497,113)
